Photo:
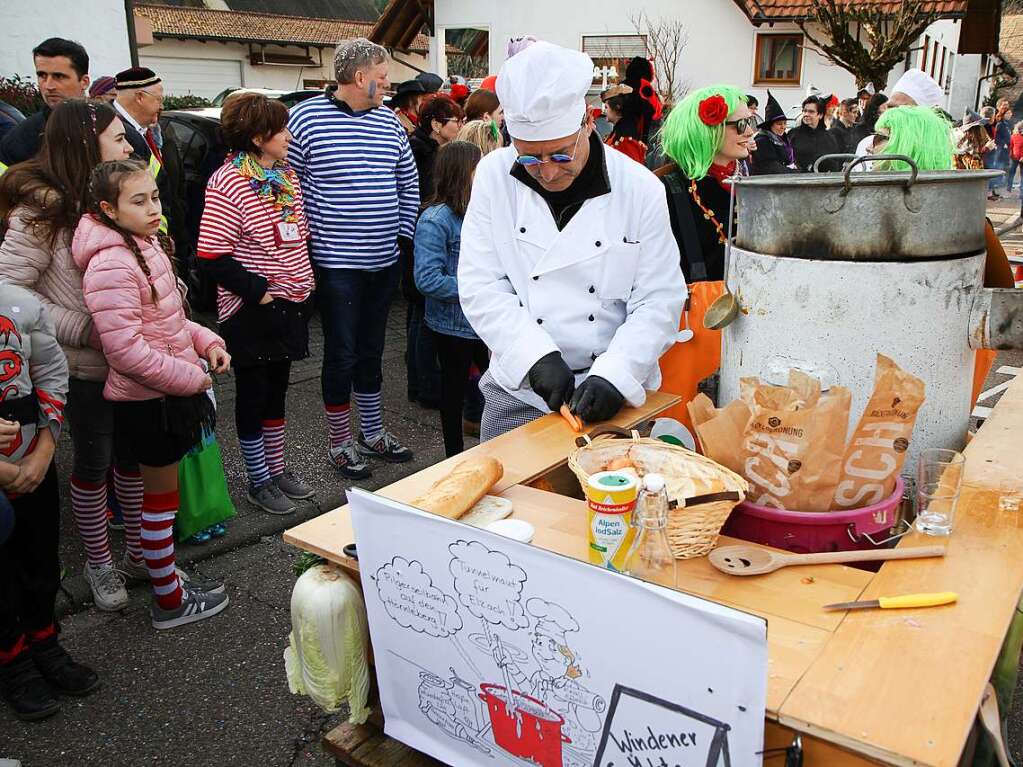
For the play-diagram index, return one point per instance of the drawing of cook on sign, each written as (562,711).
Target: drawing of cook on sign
(556,681)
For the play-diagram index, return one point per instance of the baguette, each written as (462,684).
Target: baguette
(453,495)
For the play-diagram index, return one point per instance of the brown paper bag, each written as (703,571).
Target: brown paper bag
(792,457)
(720,431)
(877,450)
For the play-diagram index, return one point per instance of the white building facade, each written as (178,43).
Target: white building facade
(723,45)
(99,25)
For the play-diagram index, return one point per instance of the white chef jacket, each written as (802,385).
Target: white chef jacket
(606,291)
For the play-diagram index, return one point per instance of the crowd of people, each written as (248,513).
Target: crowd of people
(542,264)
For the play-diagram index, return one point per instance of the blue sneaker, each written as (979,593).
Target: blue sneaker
(203,536)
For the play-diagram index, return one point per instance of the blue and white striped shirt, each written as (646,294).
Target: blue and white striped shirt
(359,182)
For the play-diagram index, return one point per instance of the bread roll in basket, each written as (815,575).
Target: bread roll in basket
(701,492)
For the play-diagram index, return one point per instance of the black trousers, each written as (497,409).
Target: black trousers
(456,356)
(29,563)
(260,393)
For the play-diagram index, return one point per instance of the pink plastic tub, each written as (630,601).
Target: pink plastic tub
(805,532)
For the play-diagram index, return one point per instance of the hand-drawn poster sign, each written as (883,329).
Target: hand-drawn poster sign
(642,730)
(493,652)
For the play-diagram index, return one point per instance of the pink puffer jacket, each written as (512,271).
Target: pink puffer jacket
(152,349)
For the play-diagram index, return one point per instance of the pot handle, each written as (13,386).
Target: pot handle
(914,170)
(841,155)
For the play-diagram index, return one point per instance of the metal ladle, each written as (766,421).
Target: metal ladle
(725,308)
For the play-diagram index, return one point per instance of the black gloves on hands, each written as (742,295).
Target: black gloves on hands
(552,379)
(596,399)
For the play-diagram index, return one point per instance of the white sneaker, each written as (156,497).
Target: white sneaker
(107,584)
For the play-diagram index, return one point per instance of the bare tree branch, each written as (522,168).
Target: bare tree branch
(666,38)
(866,40)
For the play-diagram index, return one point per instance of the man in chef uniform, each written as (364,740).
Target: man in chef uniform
(568,269)
(914,88)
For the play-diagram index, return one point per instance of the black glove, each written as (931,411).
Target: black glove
(552,379)
(596,400)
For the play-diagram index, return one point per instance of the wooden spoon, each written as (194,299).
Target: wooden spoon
(755,560)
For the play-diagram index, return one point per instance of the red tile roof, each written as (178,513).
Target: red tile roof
(800,10)
(249,27)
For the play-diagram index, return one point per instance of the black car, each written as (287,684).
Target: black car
(202,150)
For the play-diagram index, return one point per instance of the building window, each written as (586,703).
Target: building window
(611,54)
(779,59)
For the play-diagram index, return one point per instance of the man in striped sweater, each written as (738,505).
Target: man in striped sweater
(362,196)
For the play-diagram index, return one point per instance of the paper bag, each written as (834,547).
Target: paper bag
(720,431)
(877,450)
(793,450)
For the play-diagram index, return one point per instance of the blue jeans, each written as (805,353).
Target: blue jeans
(1010,174)
(353,307)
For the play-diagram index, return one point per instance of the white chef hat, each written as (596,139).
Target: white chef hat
(543,91)
(920,87)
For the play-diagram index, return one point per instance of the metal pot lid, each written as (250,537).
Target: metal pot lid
(870,178)
(871,216)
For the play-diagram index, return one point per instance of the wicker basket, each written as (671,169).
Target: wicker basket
(702,493)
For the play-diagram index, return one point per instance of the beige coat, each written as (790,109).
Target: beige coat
(27,260)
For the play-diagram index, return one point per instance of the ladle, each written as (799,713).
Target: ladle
(725,308)
(755,560)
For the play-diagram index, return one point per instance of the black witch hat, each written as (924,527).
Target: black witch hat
(772,112)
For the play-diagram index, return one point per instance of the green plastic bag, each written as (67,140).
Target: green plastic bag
(202,490)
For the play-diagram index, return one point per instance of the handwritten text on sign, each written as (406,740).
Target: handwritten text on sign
(643,731)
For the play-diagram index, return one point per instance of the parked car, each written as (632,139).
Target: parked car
(290,98)
(197,133)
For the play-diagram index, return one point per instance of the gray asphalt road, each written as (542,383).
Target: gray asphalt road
(215,693)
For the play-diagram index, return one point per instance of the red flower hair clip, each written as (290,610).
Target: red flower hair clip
(713,110)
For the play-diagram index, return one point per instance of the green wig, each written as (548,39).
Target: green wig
(918,132)
(690,142)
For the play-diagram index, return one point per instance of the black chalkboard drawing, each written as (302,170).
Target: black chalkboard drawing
(647,747)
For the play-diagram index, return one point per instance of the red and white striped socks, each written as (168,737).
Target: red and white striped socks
(89,506)
(158,512)
(273,445)
(128,489)
(339,425)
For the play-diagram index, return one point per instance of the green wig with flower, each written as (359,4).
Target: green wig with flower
(917,132)
(695,129)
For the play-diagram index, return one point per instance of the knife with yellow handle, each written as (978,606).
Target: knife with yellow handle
(894,603)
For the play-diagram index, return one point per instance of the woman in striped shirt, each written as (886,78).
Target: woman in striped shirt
(253,240)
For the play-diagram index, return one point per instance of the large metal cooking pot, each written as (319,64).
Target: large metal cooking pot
(876,216)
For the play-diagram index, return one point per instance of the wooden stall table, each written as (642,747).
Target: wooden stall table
(864,687)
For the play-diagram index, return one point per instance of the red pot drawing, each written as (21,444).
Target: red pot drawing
(533,732)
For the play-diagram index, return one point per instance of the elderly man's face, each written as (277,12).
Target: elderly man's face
(373,83)
(554,176)
(900,99)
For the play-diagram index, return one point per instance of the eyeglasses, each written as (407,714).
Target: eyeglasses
(559,158)
(458,120)
(743,125)
(148,93)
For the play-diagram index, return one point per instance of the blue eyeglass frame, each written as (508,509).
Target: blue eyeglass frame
(529,161)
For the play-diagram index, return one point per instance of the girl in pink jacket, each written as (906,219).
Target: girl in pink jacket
(158,360)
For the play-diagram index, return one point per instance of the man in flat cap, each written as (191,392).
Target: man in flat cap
(568,268)
(139,103)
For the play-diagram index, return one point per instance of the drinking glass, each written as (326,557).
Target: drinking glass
(939,478)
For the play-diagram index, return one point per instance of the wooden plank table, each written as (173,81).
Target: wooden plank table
(861,688)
